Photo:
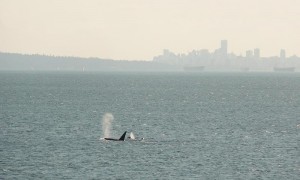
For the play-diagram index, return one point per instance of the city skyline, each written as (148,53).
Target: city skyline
(223,50)
(254,52)
(195,60)
(220,59)
(140,29)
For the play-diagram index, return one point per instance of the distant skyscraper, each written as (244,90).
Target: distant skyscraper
(224,47)
(282,54)
(256,53)
(249,54)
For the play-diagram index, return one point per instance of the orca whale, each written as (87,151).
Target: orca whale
(131,137)
(122,138)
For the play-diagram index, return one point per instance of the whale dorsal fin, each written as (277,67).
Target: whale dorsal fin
(122,138)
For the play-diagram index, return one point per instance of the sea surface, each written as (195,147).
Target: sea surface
(194,125)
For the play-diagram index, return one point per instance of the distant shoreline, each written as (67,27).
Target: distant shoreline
(36,62)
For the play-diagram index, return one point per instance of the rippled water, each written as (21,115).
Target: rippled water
(197,126)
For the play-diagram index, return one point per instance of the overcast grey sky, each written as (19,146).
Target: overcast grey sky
(141,29)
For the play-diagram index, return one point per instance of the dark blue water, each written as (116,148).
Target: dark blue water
(196,126)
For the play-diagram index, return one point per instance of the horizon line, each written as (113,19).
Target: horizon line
(101,58)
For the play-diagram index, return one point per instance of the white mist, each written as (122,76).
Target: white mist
(106,124)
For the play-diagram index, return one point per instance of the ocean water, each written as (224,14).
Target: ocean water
(194,125)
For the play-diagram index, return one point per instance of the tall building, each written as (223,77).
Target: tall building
(249,54)
(282,54)
(256,53)
(224,47)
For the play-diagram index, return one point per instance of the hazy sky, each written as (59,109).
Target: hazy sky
(141,29)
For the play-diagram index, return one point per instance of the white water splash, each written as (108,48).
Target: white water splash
(131,135)
(106,124)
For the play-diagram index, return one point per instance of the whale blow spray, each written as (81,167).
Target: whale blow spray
(106,124)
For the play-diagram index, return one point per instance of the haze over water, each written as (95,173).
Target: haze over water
(141,29)
(57,109)
(195,125)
